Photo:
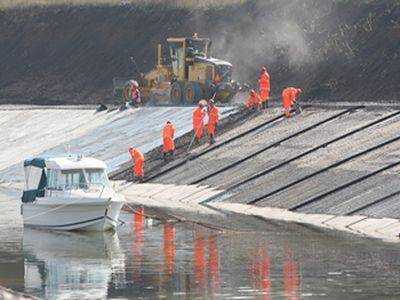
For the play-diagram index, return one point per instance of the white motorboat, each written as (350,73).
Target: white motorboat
(69,193)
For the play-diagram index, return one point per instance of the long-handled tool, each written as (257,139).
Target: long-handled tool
(297,108)
(193,139)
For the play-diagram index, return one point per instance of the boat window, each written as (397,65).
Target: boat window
(84,178)
(54,180)
(97,176)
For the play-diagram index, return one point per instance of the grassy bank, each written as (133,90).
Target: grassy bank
(69,53)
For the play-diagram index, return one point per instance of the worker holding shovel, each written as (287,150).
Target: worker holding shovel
(254,101)
(213,119)
(135,93)
(290,96)
(168,140)
(264,87)
(199,118)
(138,161)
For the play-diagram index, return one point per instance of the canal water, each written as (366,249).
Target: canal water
(250,259)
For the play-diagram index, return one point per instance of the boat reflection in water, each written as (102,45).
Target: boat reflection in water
(169,260)
(67,265)
(176,260)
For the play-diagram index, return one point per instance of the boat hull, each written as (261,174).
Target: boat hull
(77,215)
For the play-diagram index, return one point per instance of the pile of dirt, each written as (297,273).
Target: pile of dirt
(335,50)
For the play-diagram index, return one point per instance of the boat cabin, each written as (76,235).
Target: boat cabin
(44,175)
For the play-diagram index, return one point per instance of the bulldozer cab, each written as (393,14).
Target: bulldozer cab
(183,51)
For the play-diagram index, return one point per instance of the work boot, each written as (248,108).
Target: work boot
(212,140)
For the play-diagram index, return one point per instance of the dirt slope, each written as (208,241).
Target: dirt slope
(336,50)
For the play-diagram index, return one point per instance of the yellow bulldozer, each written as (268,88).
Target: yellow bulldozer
(188,75)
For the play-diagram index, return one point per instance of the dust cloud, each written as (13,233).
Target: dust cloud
(278,31)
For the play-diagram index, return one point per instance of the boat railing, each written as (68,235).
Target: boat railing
(102,190)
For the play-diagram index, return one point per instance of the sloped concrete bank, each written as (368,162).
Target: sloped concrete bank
(334,168)
(386,229)
(183,203)
(230,118)
(7,294)
(50,131)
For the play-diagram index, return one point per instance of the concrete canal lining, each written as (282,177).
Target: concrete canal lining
(7,294)
(349,182)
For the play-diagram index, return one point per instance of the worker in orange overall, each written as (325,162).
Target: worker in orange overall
(264,87)
(213,119)
(289,98)
(198,121)
(254,100)
(138,160)
(168,139)
(135,93)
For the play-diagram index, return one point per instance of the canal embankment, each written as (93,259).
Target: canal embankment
(7,294)
(29,131)
(335,168)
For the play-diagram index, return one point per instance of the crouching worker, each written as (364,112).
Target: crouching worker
(168,140)
(254,101)
(138,161)
(290,95)
(213,119)
(135,99)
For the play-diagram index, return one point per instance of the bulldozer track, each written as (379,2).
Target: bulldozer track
(275,144)
(336,164)
(301,155)
(344,186)
(208,150)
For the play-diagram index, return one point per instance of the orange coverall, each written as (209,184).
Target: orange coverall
(289,97)
(168,138)
(213,120)
(264,86)
(138,159)
(254,100)
(198,116)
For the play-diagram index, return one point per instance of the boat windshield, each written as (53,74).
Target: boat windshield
(76,179)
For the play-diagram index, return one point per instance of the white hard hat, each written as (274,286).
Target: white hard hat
(134,83)
(203,102)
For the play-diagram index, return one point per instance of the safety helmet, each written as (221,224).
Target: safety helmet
(264,69)
(202,103)
(134,83)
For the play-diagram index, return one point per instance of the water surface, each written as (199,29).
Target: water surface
(181,261)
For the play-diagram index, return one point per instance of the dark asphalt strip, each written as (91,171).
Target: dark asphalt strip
(323,145)
(275,144)
(342,187)
(208,150)
(336,164)
(354,211)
